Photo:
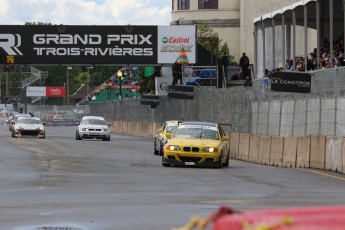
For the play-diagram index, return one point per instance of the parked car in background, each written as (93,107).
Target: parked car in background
(92,127)
(12,120)
(28,126)
(197,144)
(160,138)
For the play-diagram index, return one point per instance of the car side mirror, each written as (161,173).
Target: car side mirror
(77,123)
(44,123)
(168,135)
(159,130)
(225,138)
(109,124)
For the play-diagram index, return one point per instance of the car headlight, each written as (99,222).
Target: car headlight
(173,147)
(210,149)
(105,130)
(83,129)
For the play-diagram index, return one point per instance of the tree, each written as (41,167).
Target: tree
(210,40)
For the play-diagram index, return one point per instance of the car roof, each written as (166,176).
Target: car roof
(173,122)
(92,117)
(198,123)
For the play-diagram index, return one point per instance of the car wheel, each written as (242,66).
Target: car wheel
(13,134)
(77,137)
(106,139)
(44,135)
(165,164)
(226,164)
(219,165)
(155,151)
(161,153)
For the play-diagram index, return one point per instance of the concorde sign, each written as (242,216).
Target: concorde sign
(103,45)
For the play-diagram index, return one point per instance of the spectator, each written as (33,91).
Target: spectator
(177,73)
(225,63)
(244,64)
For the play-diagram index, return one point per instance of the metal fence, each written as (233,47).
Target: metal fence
(254,109)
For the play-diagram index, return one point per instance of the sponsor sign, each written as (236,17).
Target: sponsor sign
(96,44)
(294,82)
(152,100)
(49,91)
(170,41)
(181,92)
(55,91)
(32,91)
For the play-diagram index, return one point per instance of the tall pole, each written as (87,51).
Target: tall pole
(67,88)
(88,80)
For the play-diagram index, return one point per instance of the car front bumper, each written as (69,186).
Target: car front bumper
(193,159)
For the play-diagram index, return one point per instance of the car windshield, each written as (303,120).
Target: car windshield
(93,122)
(28,121)
(171,128)
(196,131)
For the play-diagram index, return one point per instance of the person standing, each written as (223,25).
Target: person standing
(244,64)
(225,62)
(177,73)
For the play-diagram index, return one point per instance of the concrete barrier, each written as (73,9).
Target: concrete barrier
(265,149)
(125,127)
(243,152)
(317,152)
(135,129)
(290,152)
(277,146)
(130,128)
(303,152)
(254,143)
(334,154)
(234,145)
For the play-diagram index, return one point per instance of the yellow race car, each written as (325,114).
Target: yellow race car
(160,138)
(197,144)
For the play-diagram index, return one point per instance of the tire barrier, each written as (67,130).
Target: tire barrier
(264,150)
(276,156)
(334,154)
(244,147)
(303,152)
(317,152)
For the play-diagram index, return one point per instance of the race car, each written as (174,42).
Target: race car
(197,144)
(28,126)
(160,138)
(91,127)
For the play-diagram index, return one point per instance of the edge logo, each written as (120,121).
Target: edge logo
(10,43)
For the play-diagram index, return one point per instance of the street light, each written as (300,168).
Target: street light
(88,80)
(119,75)
(67,90)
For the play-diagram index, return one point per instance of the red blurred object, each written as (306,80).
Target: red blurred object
(310,218)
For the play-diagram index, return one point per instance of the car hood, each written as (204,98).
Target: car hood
(28,126)
(194,142)
(94,126)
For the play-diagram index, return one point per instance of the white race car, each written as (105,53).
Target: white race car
(28,126)
(91,127)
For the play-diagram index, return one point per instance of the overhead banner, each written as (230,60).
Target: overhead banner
(293,82)
(49,91)
(92,45)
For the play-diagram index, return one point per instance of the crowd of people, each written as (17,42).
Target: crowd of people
(312,59)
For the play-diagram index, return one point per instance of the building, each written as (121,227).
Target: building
(233,20)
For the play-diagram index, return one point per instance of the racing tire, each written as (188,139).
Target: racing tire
(155,151)
(226,164)
(161,153)
(220,164)
(106,139)
(166,165)
(77,137)
(44,135)
(13,134)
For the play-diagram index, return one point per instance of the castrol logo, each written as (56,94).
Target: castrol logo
(176,40)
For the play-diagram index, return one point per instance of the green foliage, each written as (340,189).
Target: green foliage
(146,84)
(210,40)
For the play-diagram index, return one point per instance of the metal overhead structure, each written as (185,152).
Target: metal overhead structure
(295,30)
